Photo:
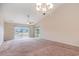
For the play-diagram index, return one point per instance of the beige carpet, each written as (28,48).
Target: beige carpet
(37,47)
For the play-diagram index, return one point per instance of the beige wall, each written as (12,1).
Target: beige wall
(8,31)
(62,25)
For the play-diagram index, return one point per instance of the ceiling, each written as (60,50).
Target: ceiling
(18,12)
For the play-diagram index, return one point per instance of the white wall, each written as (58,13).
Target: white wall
(1,26)
(62,25)
(1,31)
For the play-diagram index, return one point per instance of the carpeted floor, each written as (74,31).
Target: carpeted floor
(37,47)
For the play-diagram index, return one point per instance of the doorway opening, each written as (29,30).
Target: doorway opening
(22,32)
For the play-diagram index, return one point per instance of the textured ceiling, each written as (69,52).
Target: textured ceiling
(18,12)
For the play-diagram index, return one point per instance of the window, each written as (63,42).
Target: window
(37,31)
(26,32)
(21,32)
